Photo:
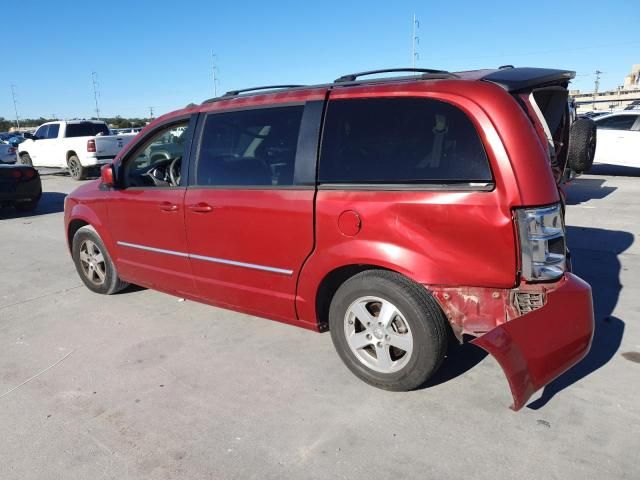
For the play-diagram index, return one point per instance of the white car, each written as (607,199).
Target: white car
(618,139)
(77,145)
(7,153)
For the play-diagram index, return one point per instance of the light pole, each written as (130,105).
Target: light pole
(415,40)
(96,94)
(15,105)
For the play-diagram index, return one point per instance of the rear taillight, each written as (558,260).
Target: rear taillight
(23,173)
(91,145)
(28,174)
(11,150)
(542,243)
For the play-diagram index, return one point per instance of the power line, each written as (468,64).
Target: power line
(415,40)
(15,104)
(96,93)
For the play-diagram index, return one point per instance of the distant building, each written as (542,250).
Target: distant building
(610,100)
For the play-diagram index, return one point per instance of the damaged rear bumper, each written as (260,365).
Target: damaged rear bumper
(539,346)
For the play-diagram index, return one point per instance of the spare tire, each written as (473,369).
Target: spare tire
(582,145)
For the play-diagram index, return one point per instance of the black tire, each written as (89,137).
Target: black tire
(25,159)
(76,170)
(582,145)
(427,325)
(111,283)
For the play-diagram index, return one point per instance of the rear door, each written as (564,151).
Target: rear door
(249,207)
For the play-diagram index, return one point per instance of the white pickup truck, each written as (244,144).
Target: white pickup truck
(76,144)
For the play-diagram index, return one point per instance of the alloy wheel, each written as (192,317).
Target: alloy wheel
(74,168)
(378,334)
(93,263)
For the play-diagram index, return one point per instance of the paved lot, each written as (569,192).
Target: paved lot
(143,386)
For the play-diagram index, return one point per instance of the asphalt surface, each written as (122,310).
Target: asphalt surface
(141,385)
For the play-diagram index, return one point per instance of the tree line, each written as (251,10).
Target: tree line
(113,122)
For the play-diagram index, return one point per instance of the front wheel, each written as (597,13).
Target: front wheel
(76,170)
(93,263)
(388,330)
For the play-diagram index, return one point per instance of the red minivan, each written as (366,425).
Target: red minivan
(394,212)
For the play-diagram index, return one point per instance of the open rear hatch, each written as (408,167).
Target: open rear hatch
(544,95)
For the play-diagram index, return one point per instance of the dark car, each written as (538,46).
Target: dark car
(20,187)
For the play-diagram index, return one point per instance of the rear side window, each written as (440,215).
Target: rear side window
(249,148)
(400,140)
(617,122)
(86,129)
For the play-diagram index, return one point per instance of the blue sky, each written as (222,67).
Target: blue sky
(158,53)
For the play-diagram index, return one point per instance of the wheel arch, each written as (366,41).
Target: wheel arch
(329,285)
(74,225)
(70,154)
(81,216)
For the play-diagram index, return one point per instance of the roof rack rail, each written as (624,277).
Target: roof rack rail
(235,93)
(426,73)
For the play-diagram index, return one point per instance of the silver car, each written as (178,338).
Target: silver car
(8,153)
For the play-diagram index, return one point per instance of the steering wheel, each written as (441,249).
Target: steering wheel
(175,170)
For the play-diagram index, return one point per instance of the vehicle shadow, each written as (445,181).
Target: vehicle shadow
(50,202)
(616,170)
(594,254)
(460,358)
(584,189)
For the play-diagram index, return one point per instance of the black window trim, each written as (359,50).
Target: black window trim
(427,186)
(481,186)
(191,120)
(306,150)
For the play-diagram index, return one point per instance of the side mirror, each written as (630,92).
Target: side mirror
(106,175)
(29,136)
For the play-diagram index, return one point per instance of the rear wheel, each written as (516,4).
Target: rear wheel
(388,330)
(76,170)
(25,159)
(93,263)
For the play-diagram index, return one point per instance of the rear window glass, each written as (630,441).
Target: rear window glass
(400,140)
(86,129)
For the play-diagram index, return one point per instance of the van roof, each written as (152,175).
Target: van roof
(508,77)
